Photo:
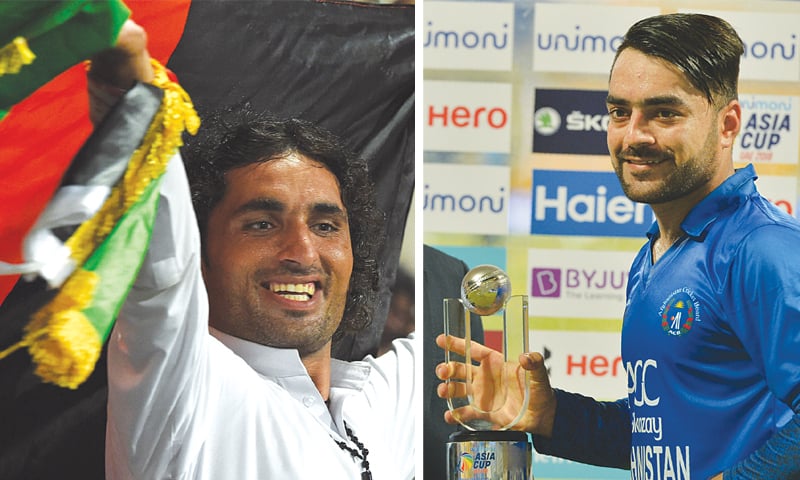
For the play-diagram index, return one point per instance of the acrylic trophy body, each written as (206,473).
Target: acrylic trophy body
(487,450)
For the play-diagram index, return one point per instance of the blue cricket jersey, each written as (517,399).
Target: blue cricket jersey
(711,336)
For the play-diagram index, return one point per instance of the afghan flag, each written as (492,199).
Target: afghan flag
(345,65)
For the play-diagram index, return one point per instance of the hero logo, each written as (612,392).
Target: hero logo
(585,203)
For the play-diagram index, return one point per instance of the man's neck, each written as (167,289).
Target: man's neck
(318,366)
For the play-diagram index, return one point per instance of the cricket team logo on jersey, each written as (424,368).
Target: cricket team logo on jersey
(679,312)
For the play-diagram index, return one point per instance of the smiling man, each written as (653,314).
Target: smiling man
(220,361)
(278,257)
(711,328)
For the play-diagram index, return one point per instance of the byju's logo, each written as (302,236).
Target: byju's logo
(583,132)
(546,282)
(585,203)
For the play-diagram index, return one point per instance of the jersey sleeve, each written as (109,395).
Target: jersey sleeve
(765,306)
(589,431)
(764,309)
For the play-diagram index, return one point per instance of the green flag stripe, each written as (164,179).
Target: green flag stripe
(60,34)
(117,260)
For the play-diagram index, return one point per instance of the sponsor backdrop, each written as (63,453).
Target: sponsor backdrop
(516,170)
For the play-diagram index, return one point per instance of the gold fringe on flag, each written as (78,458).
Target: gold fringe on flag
(64,344)
(15,55)
(147,163)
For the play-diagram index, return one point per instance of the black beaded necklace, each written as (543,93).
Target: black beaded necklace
(361,453)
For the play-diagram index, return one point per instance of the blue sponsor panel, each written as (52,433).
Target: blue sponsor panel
(570,121)
(585,203)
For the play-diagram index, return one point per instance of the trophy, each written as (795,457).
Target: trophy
(485,450)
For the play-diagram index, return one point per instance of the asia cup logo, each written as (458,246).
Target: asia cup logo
(679,313)
(465,464)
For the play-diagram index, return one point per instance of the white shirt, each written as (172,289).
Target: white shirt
(184,404)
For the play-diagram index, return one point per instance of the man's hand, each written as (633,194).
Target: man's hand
(127,62)
(115,70)
(493,379)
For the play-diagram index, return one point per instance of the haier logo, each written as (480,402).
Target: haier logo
(585,203)
(468,36)
(580,38)
(570,121)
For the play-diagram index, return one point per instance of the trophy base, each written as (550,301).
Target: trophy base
(489,455)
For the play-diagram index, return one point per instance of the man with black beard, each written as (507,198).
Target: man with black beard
(220,365)
(711,329)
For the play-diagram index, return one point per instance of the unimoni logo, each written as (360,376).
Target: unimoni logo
(771,51)
(577,42)
(469,39)
(466,202)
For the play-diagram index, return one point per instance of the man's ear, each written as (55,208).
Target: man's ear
(730,123)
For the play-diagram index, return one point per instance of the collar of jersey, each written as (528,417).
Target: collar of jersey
(730,193)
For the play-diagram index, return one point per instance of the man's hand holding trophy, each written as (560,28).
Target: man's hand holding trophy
(488,394)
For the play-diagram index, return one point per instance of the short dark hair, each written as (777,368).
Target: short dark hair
(234,138)
(705,48)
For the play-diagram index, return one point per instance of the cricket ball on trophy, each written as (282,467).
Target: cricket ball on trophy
(485,289)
